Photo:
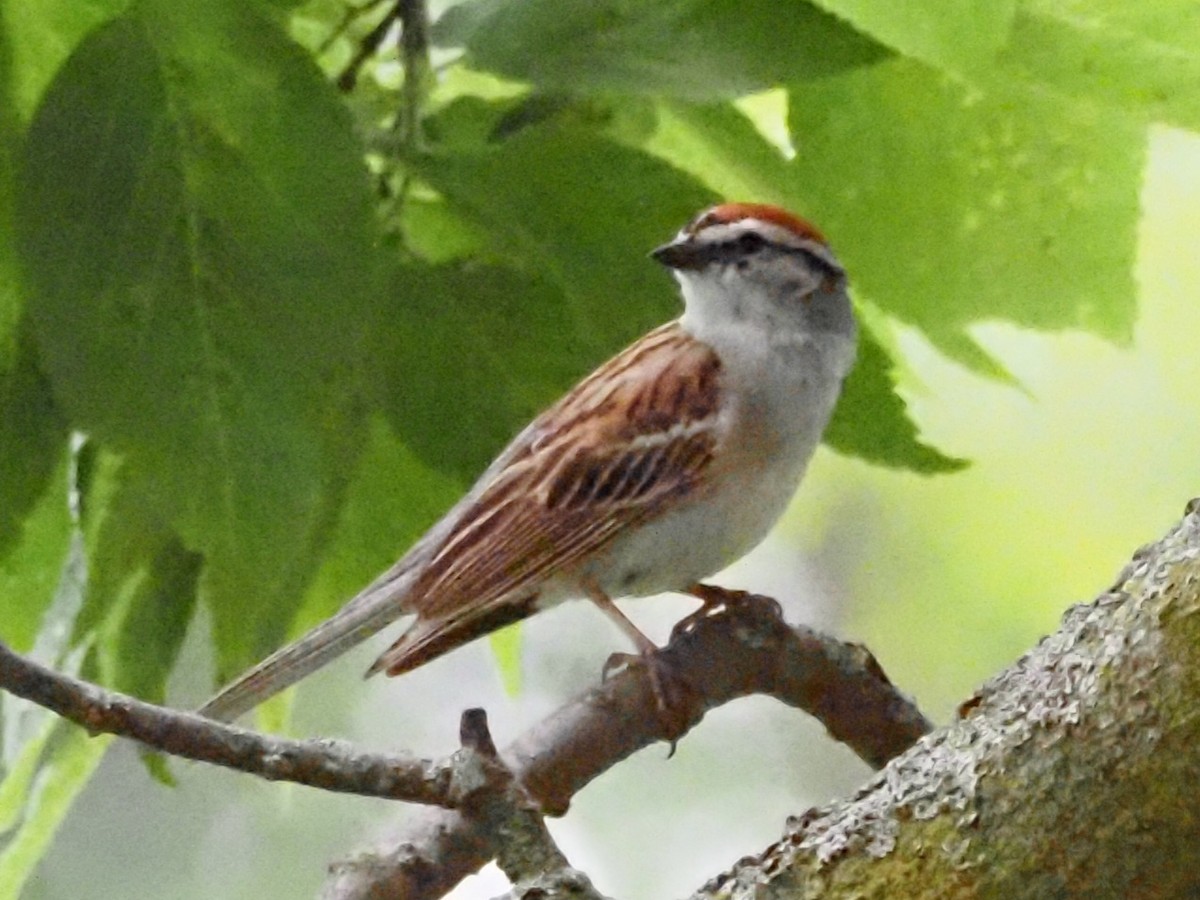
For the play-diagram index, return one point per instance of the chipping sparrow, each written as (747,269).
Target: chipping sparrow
(665,465)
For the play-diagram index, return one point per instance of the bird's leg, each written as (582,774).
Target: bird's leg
(645,646)
(669,693)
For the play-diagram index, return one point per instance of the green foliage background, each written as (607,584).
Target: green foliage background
(294,322)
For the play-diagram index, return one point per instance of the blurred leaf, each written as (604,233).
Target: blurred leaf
(30,572)
(124,530)
(195,216)
(1142,57)
(953,35)
(158,766)
(39,37)
(506,645)
(965,350)
(951,206)
(488,315)
(144,630)
(871,421)
(73,758)
(21,766)
(468,124)
(719,145)
(467,356)
(434,233)
(10,300)
(32,435)
(694,49)
(141,637)
(458,80)
(391,501)
(580,212)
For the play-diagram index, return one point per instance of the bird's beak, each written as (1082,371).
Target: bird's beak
(681,253)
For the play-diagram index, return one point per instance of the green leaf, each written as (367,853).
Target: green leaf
(141,638)
(506,646)
(954,35)
(32,435)
(579,211)
(434,233)
(719,145)
(692,49)
(519,336)
(871,421)
(950,205)
(10,298)
(965,350)
(72,760)
(1143,58)
(32,432)
(392,500)
(37,38)
(30,572)
(142,591)
(141,587)
(124,530)
(196,222)
(21,765)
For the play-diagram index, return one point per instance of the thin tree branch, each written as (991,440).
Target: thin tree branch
(528,852)
(350,15)
(326,764)
(367,47)
(414,53)
(731,650)
(738,645)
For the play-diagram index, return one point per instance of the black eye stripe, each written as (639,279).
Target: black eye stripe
(737,249)
(747,243)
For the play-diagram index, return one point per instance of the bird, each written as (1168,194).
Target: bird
(669,462)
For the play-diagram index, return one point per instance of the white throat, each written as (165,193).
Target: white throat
(712,303)
(746,322)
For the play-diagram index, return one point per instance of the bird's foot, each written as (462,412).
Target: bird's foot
(717,601)
(672,693)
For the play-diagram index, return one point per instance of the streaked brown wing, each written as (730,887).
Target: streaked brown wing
(637,431)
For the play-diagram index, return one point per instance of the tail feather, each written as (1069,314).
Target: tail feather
(375,608)
(427,639)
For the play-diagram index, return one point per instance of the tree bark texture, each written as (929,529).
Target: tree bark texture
(1074,773)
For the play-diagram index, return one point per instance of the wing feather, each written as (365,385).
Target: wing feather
(640,429)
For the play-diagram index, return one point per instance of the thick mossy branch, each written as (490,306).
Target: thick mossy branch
(1071,774)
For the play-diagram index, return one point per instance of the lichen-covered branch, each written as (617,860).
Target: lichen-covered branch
(1072,774)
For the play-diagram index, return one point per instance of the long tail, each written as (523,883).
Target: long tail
(376,607)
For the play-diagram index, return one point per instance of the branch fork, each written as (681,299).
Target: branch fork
(489,804)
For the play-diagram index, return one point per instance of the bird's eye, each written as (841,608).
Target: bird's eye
(750,241)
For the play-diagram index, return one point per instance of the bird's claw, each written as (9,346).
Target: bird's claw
(672,693)
(715,601)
